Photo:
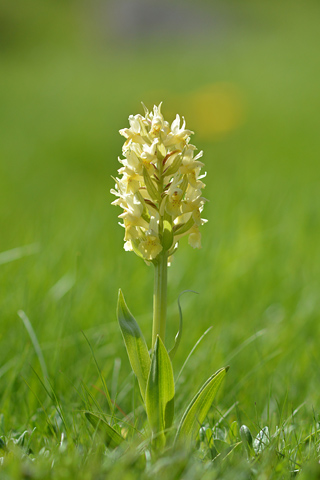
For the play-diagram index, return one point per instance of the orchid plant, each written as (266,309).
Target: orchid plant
(160,192)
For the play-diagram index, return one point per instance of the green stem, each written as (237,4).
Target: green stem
(160,297)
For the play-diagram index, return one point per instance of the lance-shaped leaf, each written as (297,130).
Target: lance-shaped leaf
(184,184)
(145,213)
(150,185)
(167,237)
(160,151)
(173,168)
(197,410)
(183,227)
(112,437)
(160,393)
(135,344)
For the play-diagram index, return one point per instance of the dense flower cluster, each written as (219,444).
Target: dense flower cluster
(160,186)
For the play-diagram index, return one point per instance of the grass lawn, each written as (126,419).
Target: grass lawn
(250,91)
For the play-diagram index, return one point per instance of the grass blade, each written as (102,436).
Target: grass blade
(192,350)
(19,252)
(112,438)
(62,286)
(179,334)
(106,391)
(135,344)
(199,406)
(36,346)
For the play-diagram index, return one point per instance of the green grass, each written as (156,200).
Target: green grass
(64,96)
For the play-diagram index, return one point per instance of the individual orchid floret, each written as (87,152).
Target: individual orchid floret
(195,237)
(178,135)
(157,120)
(160,187)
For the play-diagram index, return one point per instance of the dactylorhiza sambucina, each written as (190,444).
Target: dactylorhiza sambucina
(160,192)
(160,186)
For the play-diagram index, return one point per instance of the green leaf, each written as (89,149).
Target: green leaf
(112,437)
(145,213)
(160,393)
(197,410)
(135,344)
(247,441)
(173,168)
(161,151)
(153,192)
(184,184)
(183,227)
(167,238)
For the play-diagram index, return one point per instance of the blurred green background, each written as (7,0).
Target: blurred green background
(246,77)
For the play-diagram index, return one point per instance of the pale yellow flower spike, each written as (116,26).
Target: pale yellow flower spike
(159,190)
